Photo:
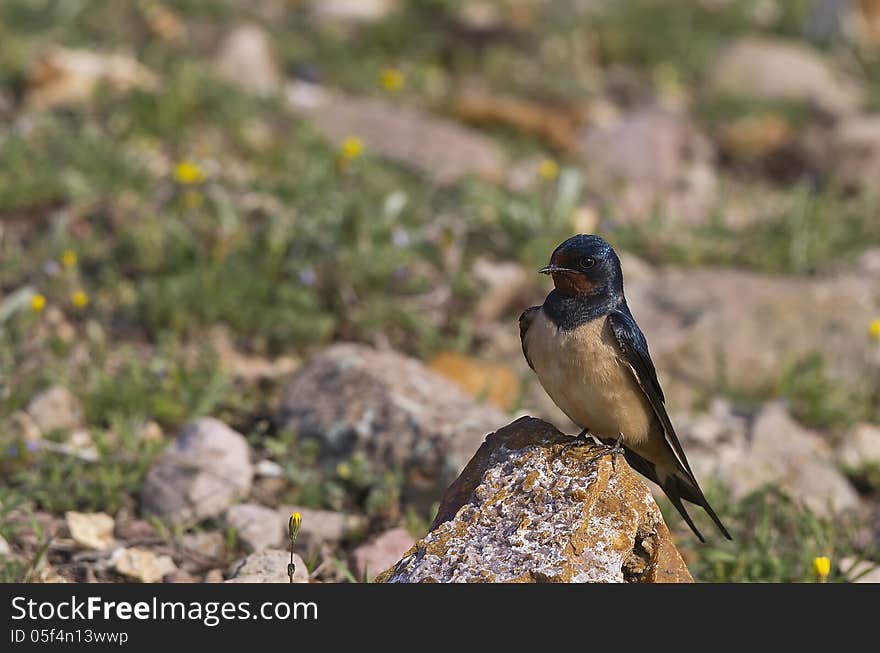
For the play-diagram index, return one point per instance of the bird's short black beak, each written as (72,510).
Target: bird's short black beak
(550,269)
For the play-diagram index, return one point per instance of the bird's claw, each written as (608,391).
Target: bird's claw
(579,440)
(610,449)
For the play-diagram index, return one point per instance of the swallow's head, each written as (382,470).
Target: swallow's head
(585,265)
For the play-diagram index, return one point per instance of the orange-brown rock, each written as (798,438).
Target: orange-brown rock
(527,510)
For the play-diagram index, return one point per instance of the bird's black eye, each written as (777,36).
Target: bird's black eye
(587,262)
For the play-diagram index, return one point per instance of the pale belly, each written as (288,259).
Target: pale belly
(581,371)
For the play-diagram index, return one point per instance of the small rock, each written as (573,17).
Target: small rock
(214,576)
(204,471)
(860,446)
(129,528)
(356,11)
(142,564)
(55,409)
(777,69)
(321,528)
(245,367)
(860,571)
(389,408)
(521,511)
(246,59)
(179,576)
(373,557)
(46,573)
(269,566)
(210,544)
(5,549)
(91,530)
(257,526)
(151,432)
(269,469)
(63,76)
(81,443)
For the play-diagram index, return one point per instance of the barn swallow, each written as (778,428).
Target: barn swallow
(592,359)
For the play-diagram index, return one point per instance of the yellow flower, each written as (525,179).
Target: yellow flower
(38,303)
(392,79)
(352,148)
(822,567)
(874,328)
(68,258)
(80,298)
(548,169)
(188,173)
(343,470)
(293,526)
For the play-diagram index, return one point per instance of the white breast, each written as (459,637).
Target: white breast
(583,373)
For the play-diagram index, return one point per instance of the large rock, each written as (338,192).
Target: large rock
(776,69)
(705,326)
(389,408)
(204,471)
(770,449)
(650,158)
(436,147)
(522,511)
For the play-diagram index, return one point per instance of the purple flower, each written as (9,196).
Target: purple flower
(307,277)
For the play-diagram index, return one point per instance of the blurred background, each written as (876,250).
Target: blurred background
(203,203)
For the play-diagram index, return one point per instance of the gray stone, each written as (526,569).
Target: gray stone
(204,471)
(257,526)
(268,566)
(390,409)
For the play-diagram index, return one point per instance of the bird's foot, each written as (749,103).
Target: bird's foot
(612,450)
(578,440)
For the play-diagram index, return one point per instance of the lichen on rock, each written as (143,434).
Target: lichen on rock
(526,509)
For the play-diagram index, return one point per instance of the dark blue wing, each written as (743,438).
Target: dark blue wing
(634,350)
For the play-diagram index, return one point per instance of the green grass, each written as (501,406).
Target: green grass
(774,540)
